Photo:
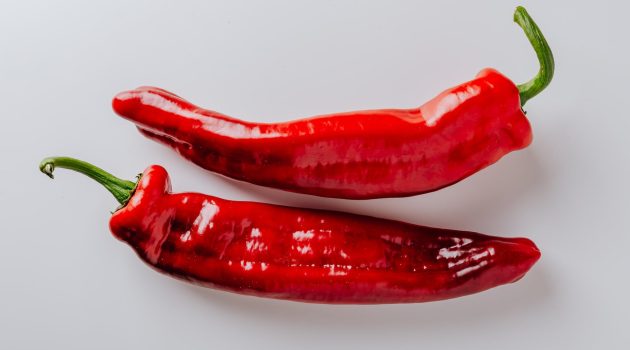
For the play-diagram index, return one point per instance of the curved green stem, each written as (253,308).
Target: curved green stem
(121,189)
(545,56)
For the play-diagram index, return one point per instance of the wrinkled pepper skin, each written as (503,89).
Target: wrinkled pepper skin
(355,155)
(310,255)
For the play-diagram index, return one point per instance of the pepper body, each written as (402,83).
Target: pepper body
(357,155)
(310,255)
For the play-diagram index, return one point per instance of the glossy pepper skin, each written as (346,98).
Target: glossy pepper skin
(354,155)
(306,255)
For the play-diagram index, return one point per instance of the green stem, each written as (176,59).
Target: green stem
(545,56)
(121,189)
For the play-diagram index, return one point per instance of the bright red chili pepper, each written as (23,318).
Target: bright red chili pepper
(358,155)
(301,254)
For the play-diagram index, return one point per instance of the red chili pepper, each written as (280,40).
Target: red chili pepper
(358,155)
(301,254)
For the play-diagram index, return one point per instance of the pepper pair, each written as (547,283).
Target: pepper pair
(323,256)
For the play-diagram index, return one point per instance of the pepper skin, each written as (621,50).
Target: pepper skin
(301,254)
(354,155)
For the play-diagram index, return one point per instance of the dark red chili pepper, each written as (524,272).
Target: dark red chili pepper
(359,155)
(301,254)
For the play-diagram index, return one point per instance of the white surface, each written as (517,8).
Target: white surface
(68,284)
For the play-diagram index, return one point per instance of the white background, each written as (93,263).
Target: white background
(66,283)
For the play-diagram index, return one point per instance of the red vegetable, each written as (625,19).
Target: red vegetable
(359,155)
(301,254)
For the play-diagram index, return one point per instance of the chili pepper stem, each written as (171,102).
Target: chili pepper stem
(543,52)
(119,188)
